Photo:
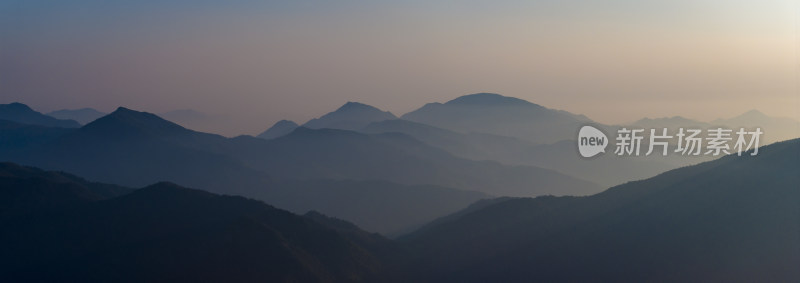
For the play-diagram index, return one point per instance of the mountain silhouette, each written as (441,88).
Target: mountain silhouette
(731,219)
(133,149)
(127,123)
(27,190)
(351,116)
(21,113)
(493,99)
(500,115)
(82,116)
(167,232)
(279,129)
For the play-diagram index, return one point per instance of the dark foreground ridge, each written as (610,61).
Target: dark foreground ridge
(733,219)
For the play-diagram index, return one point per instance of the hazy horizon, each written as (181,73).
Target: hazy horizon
(253,63)
(216,123)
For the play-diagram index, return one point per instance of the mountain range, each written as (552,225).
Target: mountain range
(731,219)
(150,146)
(135,149)
(298,168)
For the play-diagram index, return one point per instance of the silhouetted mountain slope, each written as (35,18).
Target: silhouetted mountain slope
(351,116)
(27,189)
(281,128)
(732,219)
(16,137)
(136,148)
(21,113)
(125,123)
(389,208)
(340,154)
(496,114)
(168,233)
(371,241)
(83,116)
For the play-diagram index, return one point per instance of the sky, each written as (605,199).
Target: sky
(251,63)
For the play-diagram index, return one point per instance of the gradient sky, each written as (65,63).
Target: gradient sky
(252,63)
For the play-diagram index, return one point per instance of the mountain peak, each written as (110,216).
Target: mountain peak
(754,114)
(357,106)
(124,122)
(488,99)
(21,113)
(18,106)
(123,110)
(131,115)
(350,116)
(279,129)
(286,123)
(491,113)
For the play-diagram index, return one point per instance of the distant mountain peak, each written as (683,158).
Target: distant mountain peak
(18,105)
(133,115)
(749,116)
(21,113)
(350,116)
(495,114)
(279,129)
(286,122)
(125,121)
(352,105)
(486,98)
(123,109)
(754,114)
